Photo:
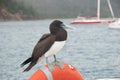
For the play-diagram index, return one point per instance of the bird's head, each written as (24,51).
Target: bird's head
(56,25)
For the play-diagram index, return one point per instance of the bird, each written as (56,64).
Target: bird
(49,44)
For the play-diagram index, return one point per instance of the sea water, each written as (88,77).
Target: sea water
(93,49)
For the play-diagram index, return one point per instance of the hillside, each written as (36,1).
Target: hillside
(12,10)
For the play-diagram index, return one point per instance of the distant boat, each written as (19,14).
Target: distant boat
(115,24)
(96,19)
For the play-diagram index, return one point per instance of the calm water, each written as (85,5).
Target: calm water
(93,49)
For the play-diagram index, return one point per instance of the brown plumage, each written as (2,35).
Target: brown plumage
(57,33)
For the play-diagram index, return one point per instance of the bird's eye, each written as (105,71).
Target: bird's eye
(62,25)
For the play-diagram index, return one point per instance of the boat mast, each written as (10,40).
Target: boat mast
(110,7)
(98,9)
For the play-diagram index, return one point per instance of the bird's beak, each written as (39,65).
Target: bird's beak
(67,26)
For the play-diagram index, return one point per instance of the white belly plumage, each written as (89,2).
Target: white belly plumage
(56,47)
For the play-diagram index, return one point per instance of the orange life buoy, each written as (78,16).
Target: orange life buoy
(67,73)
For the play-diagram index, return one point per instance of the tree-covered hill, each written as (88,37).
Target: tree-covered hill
(12,9)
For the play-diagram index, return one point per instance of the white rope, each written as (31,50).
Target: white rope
(47,73)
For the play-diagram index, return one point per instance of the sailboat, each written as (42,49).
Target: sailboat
(97,19)
(115,25)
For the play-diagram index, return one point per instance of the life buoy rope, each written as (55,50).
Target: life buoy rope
(47,73)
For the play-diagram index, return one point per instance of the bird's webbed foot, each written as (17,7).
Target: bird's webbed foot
(50,65)
(58,63)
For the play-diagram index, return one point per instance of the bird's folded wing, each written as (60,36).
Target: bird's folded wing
(43,45)
(44,37)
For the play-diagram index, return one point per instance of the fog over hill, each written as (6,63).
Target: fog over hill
(66,8)
(71,8)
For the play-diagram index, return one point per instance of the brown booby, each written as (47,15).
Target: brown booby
(49,44)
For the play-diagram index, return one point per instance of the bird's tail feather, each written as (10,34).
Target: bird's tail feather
(30,66)
(26,61)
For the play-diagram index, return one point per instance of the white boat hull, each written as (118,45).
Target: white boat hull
(115,24)
(92,21)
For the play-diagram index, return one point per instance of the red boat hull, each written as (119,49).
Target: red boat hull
(91,22)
